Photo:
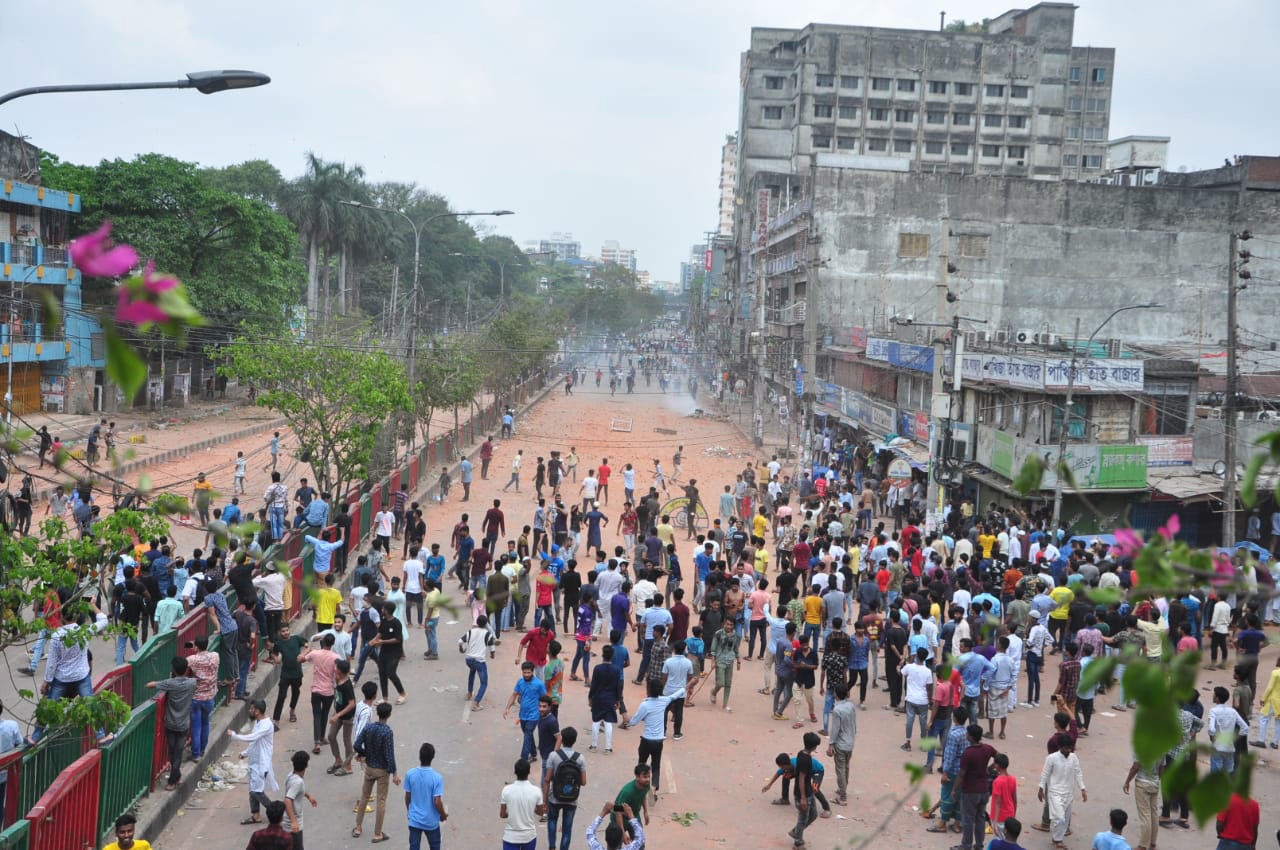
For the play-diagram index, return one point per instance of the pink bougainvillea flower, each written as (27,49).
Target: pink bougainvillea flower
(1170,529)
(157,284)
(1128,542)
(137,312)
(95,255)
(1224,570)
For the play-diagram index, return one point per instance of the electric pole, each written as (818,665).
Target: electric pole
(933,505)
(1236,260)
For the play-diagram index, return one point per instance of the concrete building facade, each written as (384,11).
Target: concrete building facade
(563,245)
(612,252)
(728,183)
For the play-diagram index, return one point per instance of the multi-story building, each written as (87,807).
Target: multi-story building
(44,367)
(563,245)
(728,183)
(612,252)
(1018,98)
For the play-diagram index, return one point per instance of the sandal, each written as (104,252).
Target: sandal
(249,820)
(331,769)
(941,829)
(355,833)
(315,751)
(797,725)
(384,837)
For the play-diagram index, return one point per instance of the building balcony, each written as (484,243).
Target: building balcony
(26,342)
(23,263)
(792,314)
(30,195)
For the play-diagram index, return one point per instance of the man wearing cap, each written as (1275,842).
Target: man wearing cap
(554,564)
(1036,649)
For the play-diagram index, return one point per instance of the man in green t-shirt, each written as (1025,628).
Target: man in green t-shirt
(636,795)
(288,647)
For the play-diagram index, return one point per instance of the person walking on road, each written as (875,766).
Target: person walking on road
(261,741)
(295,792)
(377,746)
(652,712)
(521,805)
(473,645)
(424,800)
(515,470)
(564,775)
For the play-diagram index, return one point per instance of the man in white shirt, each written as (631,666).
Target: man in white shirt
(384,523)
(918,681)
(342,645)
(473,645)
(521,804)
(414,570)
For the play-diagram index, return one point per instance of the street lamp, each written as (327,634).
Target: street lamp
(205,82)
(1071,383)
(502,273)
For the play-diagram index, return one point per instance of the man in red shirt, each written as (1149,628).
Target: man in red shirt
(51,611)
(486,455)
(973,787)
(602,475)
(1238,824)
(494,524)
(535,645)
(679,616)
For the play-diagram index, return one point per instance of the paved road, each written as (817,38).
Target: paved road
(712,778)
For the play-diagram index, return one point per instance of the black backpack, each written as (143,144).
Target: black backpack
(566,782)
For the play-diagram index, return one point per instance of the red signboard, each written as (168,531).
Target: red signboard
(859,337)
(708,259)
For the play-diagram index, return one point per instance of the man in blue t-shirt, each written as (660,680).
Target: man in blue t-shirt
(528,690)
(424,798)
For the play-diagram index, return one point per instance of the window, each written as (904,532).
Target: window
(902,146)
(848,113)
(1073,132)
(847,143)
(1093,161)
(879,114)
(1099,75)
(1074,104)
(822,110)
(1167,411)
(880,83)
(773,113)
(1017,151)
(935,117)
(825,81)
(913,245)
(964,89)
(1074,75)
(937,87)
(877,144)
(906,85)
(936,148)
(991,151)
(821,143)
(1070,160)
(791,111)
(1095,104)
(774,83)
(993,90)
(991,120)
(850,82)
(1017,122)
(962,119)
(973,245)
(959,148)
(904,116)
(98,346)
(1098,134)
(1020,92)
(1078,427)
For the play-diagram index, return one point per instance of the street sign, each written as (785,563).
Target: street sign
(899,472)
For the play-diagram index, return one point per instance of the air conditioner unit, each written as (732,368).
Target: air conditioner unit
(1048,339)
(1114,347)
(1025,337)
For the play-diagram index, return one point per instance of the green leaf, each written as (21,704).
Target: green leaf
(1178,778)
(1209,796)
(1249,486)
(124,366)
(1030,476)
(1104,596)
(915,771)
(1098,671)
(1156,728)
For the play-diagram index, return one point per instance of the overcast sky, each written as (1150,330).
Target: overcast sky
(602,119)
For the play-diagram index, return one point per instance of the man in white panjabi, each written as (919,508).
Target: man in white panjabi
(1058,782)
(261,741)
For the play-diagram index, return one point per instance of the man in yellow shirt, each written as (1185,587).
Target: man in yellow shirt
(813,615)
(986,540)
(762,559)
(1062,598)
(327,599)
(125,825)
(760,525)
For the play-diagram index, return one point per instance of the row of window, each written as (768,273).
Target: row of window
(849,144)
(906,86)
(1071,160)
(1095,134)
(908,116)
(1096,75)
(1086,104)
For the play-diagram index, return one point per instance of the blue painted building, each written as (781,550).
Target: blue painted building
(53,368)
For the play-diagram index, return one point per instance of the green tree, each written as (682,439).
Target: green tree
(448,375)
(234,254)
(255,179)
(516,343)
(336,398)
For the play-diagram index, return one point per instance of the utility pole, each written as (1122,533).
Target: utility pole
(938,392)
(1236,260)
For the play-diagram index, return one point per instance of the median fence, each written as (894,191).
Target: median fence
(66,792)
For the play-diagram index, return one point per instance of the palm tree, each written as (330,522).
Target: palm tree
(324,224)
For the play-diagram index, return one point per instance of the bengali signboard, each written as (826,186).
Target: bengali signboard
(915,426)
(918,358)
(1169,451)
(878,349)
(859,338)
(1116,375)
(1093,466)
(870,414)
(1122,467)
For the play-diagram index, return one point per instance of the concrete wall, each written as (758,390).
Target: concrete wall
(19,160)
(1054,251)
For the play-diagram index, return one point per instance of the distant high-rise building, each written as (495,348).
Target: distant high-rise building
(728,183)
(563,245)
(611,252)
(642,280)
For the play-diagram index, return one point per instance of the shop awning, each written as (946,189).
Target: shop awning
(916,455)
(1185,484)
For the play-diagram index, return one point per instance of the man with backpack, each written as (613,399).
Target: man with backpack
(565,775)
